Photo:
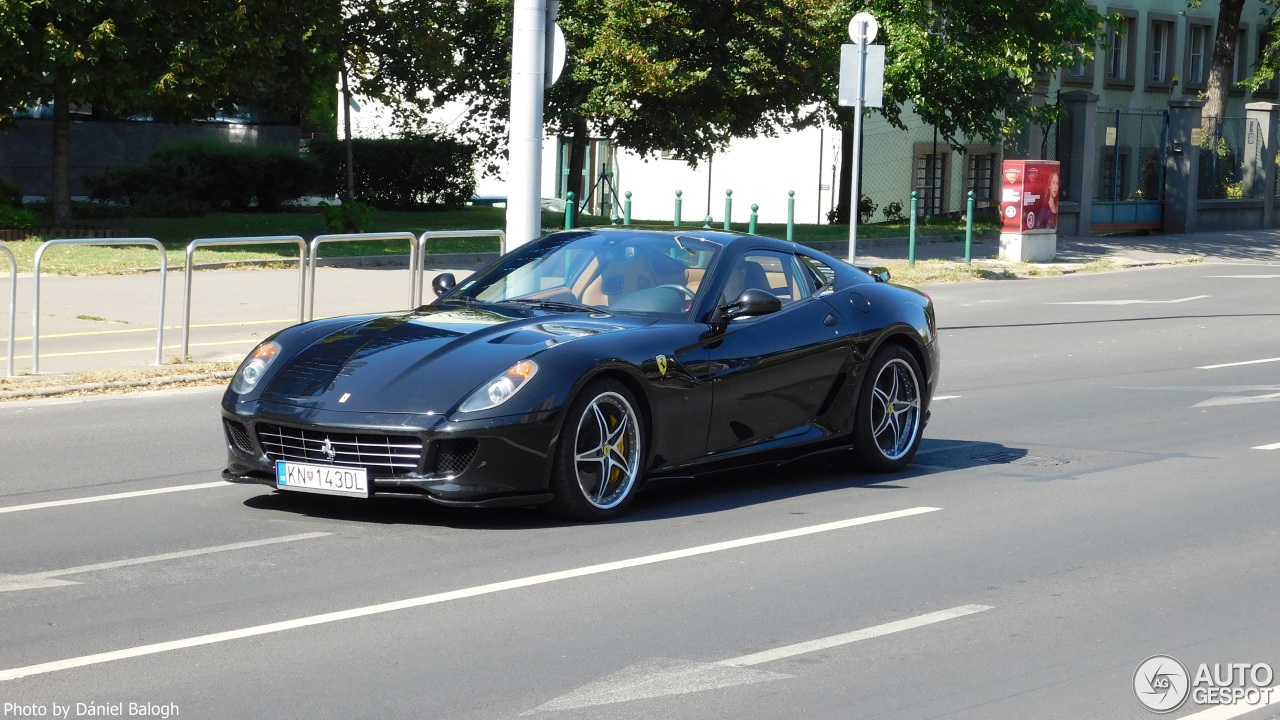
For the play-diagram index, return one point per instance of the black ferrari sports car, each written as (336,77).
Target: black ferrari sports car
(576,368)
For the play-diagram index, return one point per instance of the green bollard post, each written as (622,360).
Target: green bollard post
(626,210)
(755,217)
(968,232)
(728,209)
(568,211)
(706,225)
(911,235)
(678,203)
(791,216)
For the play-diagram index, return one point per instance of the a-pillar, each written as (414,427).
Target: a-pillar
(1182,167)
(1260,156)
(1078,156)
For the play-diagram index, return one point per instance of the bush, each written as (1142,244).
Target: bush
(10,195)
(348,217)
(16,218)
(420,172)
(194,178)
(866,209)
(893,212)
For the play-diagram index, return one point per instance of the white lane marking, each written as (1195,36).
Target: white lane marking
(1131,302)
(852,637)
(947,397)
(666,676)
(32,581)
(367,610)
(1272,446)
(1264,277)
(1222,400)
(114,496)
(1238,364)
(1235,709)
(660,677)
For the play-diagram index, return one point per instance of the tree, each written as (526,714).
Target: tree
(176,60)
(967,67)
(1222,68)
(688,77)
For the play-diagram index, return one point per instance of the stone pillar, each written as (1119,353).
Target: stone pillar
(1078,154)
(1260,156)
(1182,166)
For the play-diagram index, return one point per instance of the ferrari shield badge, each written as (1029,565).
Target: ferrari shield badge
(662,365)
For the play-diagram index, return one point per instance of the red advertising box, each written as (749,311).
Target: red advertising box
(1029,196)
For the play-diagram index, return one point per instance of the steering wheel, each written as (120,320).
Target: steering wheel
(688,294)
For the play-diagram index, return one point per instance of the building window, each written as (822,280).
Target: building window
(1080,70)
(1161,53)
(930,182)
(981,175)
(1198,55)
(1241,60)
(1120,47)
(1264,42)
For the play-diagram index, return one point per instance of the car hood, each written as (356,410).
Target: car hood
(426,361)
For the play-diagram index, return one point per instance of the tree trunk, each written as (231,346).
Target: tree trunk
(577,159)
(62,151)
(846,174)
(1222,71)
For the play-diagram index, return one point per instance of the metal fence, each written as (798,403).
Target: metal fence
(1130,154)
(13,303)
(1223,157)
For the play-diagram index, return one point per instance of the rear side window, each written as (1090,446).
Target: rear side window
(820,275)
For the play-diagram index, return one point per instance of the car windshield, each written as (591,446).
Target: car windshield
(619,271)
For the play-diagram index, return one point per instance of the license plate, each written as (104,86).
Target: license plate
(325,479)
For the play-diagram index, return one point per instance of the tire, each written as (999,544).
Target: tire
(599,458)
(889,416)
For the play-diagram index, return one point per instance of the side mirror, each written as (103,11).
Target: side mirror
(443,283)
(751,303)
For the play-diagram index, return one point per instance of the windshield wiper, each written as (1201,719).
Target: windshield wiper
(555,305)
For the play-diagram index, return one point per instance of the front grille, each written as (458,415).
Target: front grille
(380,454)
(453,456)
(238,435)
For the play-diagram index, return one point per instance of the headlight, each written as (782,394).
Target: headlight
(500,388)
(254,367)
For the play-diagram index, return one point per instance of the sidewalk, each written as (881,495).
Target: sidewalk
(108,322)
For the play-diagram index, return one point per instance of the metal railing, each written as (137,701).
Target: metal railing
(358,237)
(13,303)
(427,237)
(226,241)
(35,310)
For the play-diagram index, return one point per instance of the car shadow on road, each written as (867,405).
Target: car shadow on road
(704,495)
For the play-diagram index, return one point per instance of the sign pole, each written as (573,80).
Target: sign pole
(855,195)
(524,175)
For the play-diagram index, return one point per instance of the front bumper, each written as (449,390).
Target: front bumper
(487,462)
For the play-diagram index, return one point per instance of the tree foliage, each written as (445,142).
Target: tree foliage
(967,67)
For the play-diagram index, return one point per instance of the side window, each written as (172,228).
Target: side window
(776,273)
(820,275)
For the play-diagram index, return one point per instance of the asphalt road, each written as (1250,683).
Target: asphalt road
(1095,489)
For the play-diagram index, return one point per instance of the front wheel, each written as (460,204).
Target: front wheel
(889,415)
(599,456)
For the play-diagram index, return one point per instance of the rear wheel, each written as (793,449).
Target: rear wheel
(599,456)
(889,415)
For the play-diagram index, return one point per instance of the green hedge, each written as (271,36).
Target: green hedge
(194,178)
(422,172)
(10,195)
